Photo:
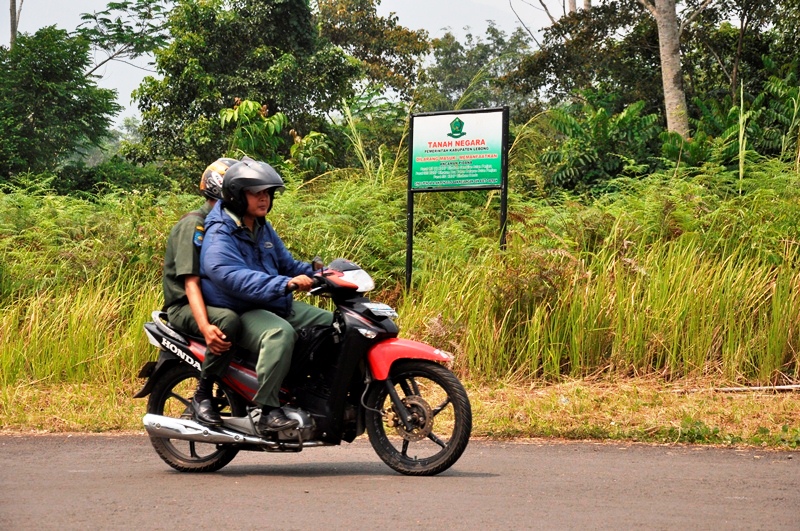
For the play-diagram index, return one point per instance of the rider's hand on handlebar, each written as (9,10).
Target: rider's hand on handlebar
(300,283)
(215,339)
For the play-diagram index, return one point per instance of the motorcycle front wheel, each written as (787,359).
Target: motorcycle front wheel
(172,397)
(440,421)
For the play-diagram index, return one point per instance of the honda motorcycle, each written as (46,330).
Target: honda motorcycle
(352,376)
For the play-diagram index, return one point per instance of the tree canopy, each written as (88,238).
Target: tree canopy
(49,108)
(126,30)
(265,51)
(611,51)
(466,73)
(391,54)
(337,67)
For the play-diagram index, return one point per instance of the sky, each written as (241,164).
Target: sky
(435,16)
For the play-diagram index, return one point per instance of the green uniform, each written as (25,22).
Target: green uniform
(273,337)
(183,259)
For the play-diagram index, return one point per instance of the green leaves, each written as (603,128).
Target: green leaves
(264,51)
(596,146)
(254,133)
(48,107)
(389,53)
(311,153)
(126,30)
(467,73)
(611,49)
(766,125)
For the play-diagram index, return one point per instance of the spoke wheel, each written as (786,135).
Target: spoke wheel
(172,397)
(439,424)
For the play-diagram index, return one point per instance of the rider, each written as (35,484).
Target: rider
(183,300)
(246,267)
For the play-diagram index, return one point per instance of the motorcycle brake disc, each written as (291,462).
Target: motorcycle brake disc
(421,419)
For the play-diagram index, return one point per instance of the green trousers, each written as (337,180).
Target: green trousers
(180,316)
(273,338)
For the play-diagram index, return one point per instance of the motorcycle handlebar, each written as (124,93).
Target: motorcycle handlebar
(317,282)
(316,265)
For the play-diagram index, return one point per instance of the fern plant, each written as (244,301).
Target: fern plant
(782,114)
(596,146)
(768,123)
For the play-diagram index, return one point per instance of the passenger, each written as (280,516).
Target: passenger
(247,268)
(183,299)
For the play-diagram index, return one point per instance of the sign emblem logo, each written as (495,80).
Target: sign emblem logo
(456,129)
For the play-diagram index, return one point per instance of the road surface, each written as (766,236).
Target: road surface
(118,482)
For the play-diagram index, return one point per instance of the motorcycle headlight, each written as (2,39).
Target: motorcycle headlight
(360,278)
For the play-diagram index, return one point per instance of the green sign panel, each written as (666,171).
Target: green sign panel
(457,150)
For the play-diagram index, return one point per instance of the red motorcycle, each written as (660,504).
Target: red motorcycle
(353,376)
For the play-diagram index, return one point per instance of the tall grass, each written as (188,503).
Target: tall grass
(91,332)
(677,276)
(675,311)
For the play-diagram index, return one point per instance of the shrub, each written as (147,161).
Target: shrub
(595,146)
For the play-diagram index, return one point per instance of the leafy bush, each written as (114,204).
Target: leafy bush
(311,155)
(110,175)
(673,273)
(766,125)
(595,146)
(254,132)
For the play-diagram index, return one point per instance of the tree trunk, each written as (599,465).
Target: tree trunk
(739,46)
(572,6)
(15,14)
(587,4)
(664,11)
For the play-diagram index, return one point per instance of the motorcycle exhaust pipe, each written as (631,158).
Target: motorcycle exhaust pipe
(189,430)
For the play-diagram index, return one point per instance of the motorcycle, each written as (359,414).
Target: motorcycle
(352,376)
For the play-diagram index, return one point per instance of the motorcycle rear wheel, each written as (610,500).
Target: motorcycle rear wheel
(441,419)
(172,397)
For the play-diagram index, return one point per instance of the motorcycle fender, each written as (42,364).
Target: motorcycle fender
(384,354)
(152,370)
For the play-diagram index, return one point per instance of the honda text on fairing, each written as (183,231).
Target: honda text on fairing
(353,376)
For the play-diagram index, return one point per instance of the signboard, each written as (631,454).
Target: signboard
(456,150)
(453,151)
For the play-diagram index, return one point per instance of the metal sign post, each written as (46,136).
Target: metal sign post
(454,151)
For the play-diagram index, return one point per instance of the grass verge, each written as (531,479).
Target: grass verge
(641,409)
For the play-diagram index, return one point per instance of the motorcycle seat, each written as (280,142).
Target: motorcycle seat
(162,323)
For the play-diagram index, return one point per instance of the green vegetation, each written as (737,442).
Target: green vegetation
(665,278)
(640,263)
(42,91)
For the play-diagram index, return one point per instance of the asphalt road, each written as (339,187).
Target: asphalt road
(118,482)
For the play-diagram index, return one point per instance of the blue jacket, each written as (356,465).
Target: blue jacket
(242,274)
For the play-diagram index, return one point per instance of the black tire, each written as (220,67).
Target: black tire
(442,419)
(172,397)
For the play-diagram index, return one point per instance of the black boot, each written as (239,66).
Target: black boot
(272,420)
(203,406)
